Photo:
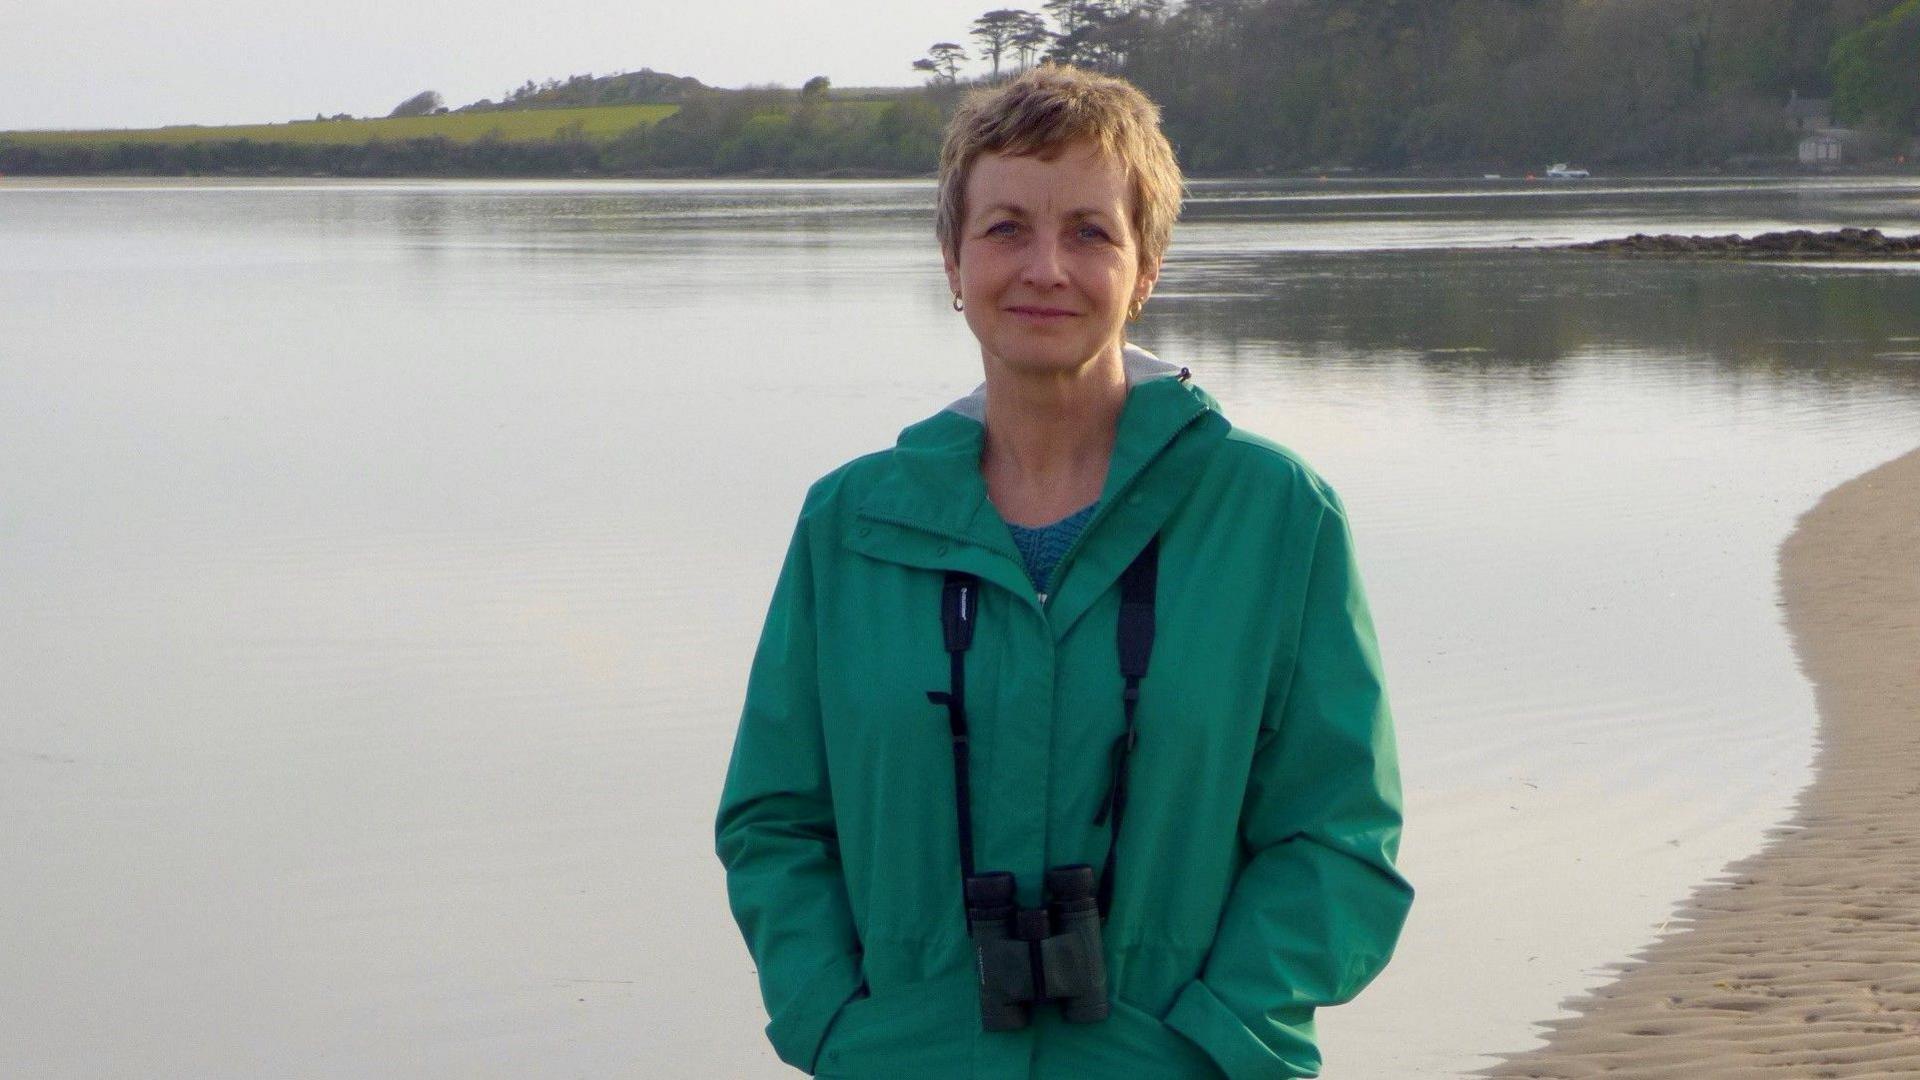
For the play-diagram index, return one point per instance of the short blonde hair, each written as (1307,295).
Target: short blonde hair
(1039,114)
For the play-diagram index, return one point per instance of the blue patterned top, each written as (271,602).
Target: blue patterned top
(1041,548)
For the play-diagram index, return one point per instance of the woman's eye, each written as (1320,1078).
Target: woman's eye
(1092,232)
(1002,228)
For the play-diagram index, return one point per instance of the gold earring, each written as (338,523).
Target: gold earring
(1134,309)
(957,305)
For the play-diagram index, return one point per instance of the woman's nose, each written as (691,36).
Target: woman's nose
(1043,268)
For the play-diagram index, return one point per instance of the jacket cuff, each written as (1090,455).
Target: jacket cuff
(800,1026)
(1202,1017)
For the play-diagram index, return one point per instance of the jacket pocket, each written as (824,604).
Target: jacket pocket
(1130,1042)
(922,1029)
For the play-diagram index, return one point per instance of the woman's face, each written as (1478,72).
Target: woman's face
(1048,261)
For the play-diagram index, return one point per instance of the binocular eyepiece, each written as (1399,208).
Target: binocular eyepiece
(1025,956)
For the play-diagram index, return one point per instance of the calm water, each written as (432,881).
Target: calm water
(381,564)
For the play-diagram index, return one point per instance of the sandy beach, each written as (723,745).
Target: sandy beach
(1802,960)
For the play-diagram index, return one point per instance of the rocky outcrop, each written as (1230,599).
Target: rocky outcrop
(1797,244)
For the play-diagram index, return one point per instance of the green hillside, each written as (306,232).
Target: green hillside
(597,123)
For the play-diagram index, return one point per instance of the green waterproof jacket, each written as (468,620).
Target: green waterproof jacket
(1255,876)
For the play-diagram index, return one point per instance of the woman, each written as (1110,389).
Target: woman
(1075,619)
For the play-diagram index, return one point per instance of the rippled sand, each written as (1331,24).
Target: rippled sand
(1804,959)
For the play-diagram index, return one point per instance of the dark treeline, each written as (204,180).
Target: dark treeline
(1247,86)
(1288,84)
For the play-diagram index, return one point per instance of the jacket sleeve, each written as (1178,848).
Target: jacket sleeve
(775,832)
(1316,910)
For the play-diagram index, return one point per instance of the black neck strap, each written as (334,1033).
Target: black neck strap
(959,610)
(1138,583)
(959,607)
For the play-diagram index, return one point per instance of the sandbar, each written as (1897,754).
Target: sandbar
(1802,960)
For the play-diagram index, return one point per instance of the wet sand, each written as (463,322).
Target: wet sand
(1802,960)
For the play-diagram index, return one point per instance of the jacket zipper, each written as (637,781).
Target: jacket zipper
(1104,506)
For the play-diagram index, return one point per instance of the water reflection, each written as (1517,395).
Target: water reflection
(1525,310)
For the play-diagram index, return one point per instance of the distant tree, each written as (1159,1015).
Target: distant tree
(1030,37)
(1876,70)
(1076,15)
(420,104)
(1126,29)
(996,31)
(1064,12)
(813,115)
(1085,31)
(927,67)
(1074,47)
(947,57)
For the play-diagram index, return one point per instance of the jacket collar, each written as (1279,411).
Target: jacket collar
(930,508)
(1139,365)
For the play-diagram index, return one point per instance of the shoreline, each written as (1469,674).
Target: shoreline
(1802,959)
(1869,171)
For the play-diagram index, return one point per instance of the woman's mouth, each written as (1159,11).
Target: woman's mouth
(1034,312)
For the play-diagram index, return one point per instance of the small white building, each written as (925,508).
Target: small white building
(1834,146)
(1823,148)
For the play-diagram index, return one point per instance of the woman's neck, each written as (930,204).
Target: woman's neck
(1049,437)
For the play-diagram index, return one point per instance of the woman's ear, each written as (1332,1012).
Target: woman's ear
(951,260)
(1149,277)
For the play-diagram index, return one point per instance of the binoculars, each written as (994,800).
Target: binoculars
(1025,956)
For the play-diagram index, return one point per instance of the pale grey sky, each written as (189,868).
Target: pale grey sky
(142,63)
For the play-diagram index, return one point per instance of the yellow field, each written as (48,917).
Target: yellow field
(522,125)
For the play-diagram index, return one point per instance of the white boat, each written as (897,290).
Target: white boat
(1559,171)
